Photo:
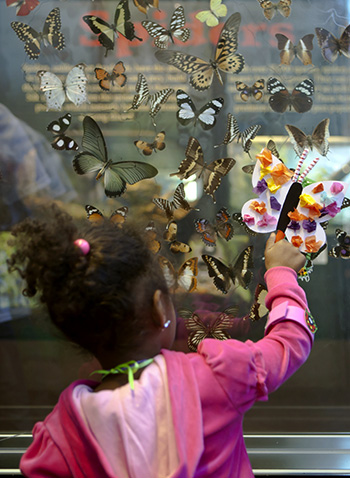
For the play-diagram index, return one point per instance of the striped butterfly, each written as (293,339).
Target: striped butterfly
(211,17)
(148,148)
(222,227)
(280,99)
(50,34)
(95,216)
(94,158)
(270,8)
(332,47)
(185,277)
(223,275)
(318,139)
(55,91)
(144,5)
(247,91)
(199,329)
(233,132)
(178,202)
(23,7)
(106,79)
(170,235)
(211,173)
(58,129)
(288,51)
(201,72)
(107,33)
(188,111)
(176,29)
(155,101)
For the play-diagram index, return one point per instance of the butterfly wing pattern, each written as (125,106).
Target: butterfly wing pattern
(177,29)
(223,227)
(332,47)
(201,72)
(288,51)
(212,17)
(148,148)
(300,98)
(318,139)
(254,91)
(233,132)
(105,79)
(185,277)
(188,111)
(270,8)
(178,202)
(58,129)
(144,5)
(342,249)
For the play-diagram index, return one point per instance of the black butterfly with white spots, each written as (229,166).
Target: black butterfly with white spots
(300,98)
(58,129)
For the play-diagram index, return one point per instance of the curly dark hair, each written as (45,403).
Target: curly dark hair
(102,300)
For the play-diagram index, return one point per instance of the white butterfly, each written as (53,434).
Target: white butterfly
(55,91)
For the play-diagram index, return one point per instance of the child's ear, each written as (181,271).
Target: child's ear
(159,308)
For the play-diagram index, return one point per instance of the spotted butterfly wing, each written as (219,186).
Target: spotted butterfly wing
(185,277)
(94,158)
(105,79)
(201,72)
(108,32)
(23,7)
(178,202)
(223,227)
(212,17)
(188,111)
(148,148)
(55,91)
(343,248)
(270,8)
(58,129)
(258,310)
(170,235)
(288,51)
(318,139)
(176,29)
(233,132)
(247,91)
(32,39)
(332,47)
(300,98)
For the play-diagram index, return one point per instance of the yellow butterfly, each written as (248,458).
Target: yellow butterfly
(211,17)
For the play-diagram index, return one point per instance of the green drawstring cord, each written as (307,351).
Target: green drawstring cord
(129,368)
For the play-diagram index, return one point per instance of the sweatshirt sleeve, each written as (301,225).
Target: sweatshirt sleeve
(250,371)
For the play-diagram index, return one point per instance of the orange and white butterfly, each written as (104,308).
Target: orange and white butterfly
(170,235)
(151,238)
(95,216)
(185,277)
(148,148)
(107,79)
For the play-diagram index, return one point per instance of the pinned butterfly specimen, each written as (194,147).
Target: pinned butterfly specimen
(176,29)
(151,238)
(178,202)
(222,227)
(211,173)
(343,248)
(144,5)
(199,330)
(233,132)
(223,275)
(148,148)
(51,34)
(288,51)
(143,96)
(318,139)
(201,72)
(300,98)
(185,277)
(188,111)
(94,158)
(55,91)
(107,33)
(23,7)
(116,77)
(270,8)
(212,17)
(258,310)
(58,129)
(117,217)
(170,235)
(332,47)
(254,91)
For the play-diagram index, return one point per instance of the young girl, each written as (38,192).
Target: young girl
(157,413)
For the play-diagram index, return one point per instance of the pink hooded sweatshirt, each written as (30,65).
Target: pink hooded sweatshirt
(184,418)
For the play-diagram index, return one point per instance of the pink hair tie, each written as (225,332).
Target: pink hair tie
(83,245)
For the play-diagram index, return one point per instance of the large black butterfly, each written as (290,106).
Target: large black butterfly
(178,202)
(343,248)
(233,132)
(198,330)
(33,39)
(143,95)
(270,8)
(223,274)
(94,158)
(226,59)
(318,139)
(302,49)
(281,99)
(222,227)
(188,111)
(107,32)
(331,46)
(211,173)
(58,129)
(176,29)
